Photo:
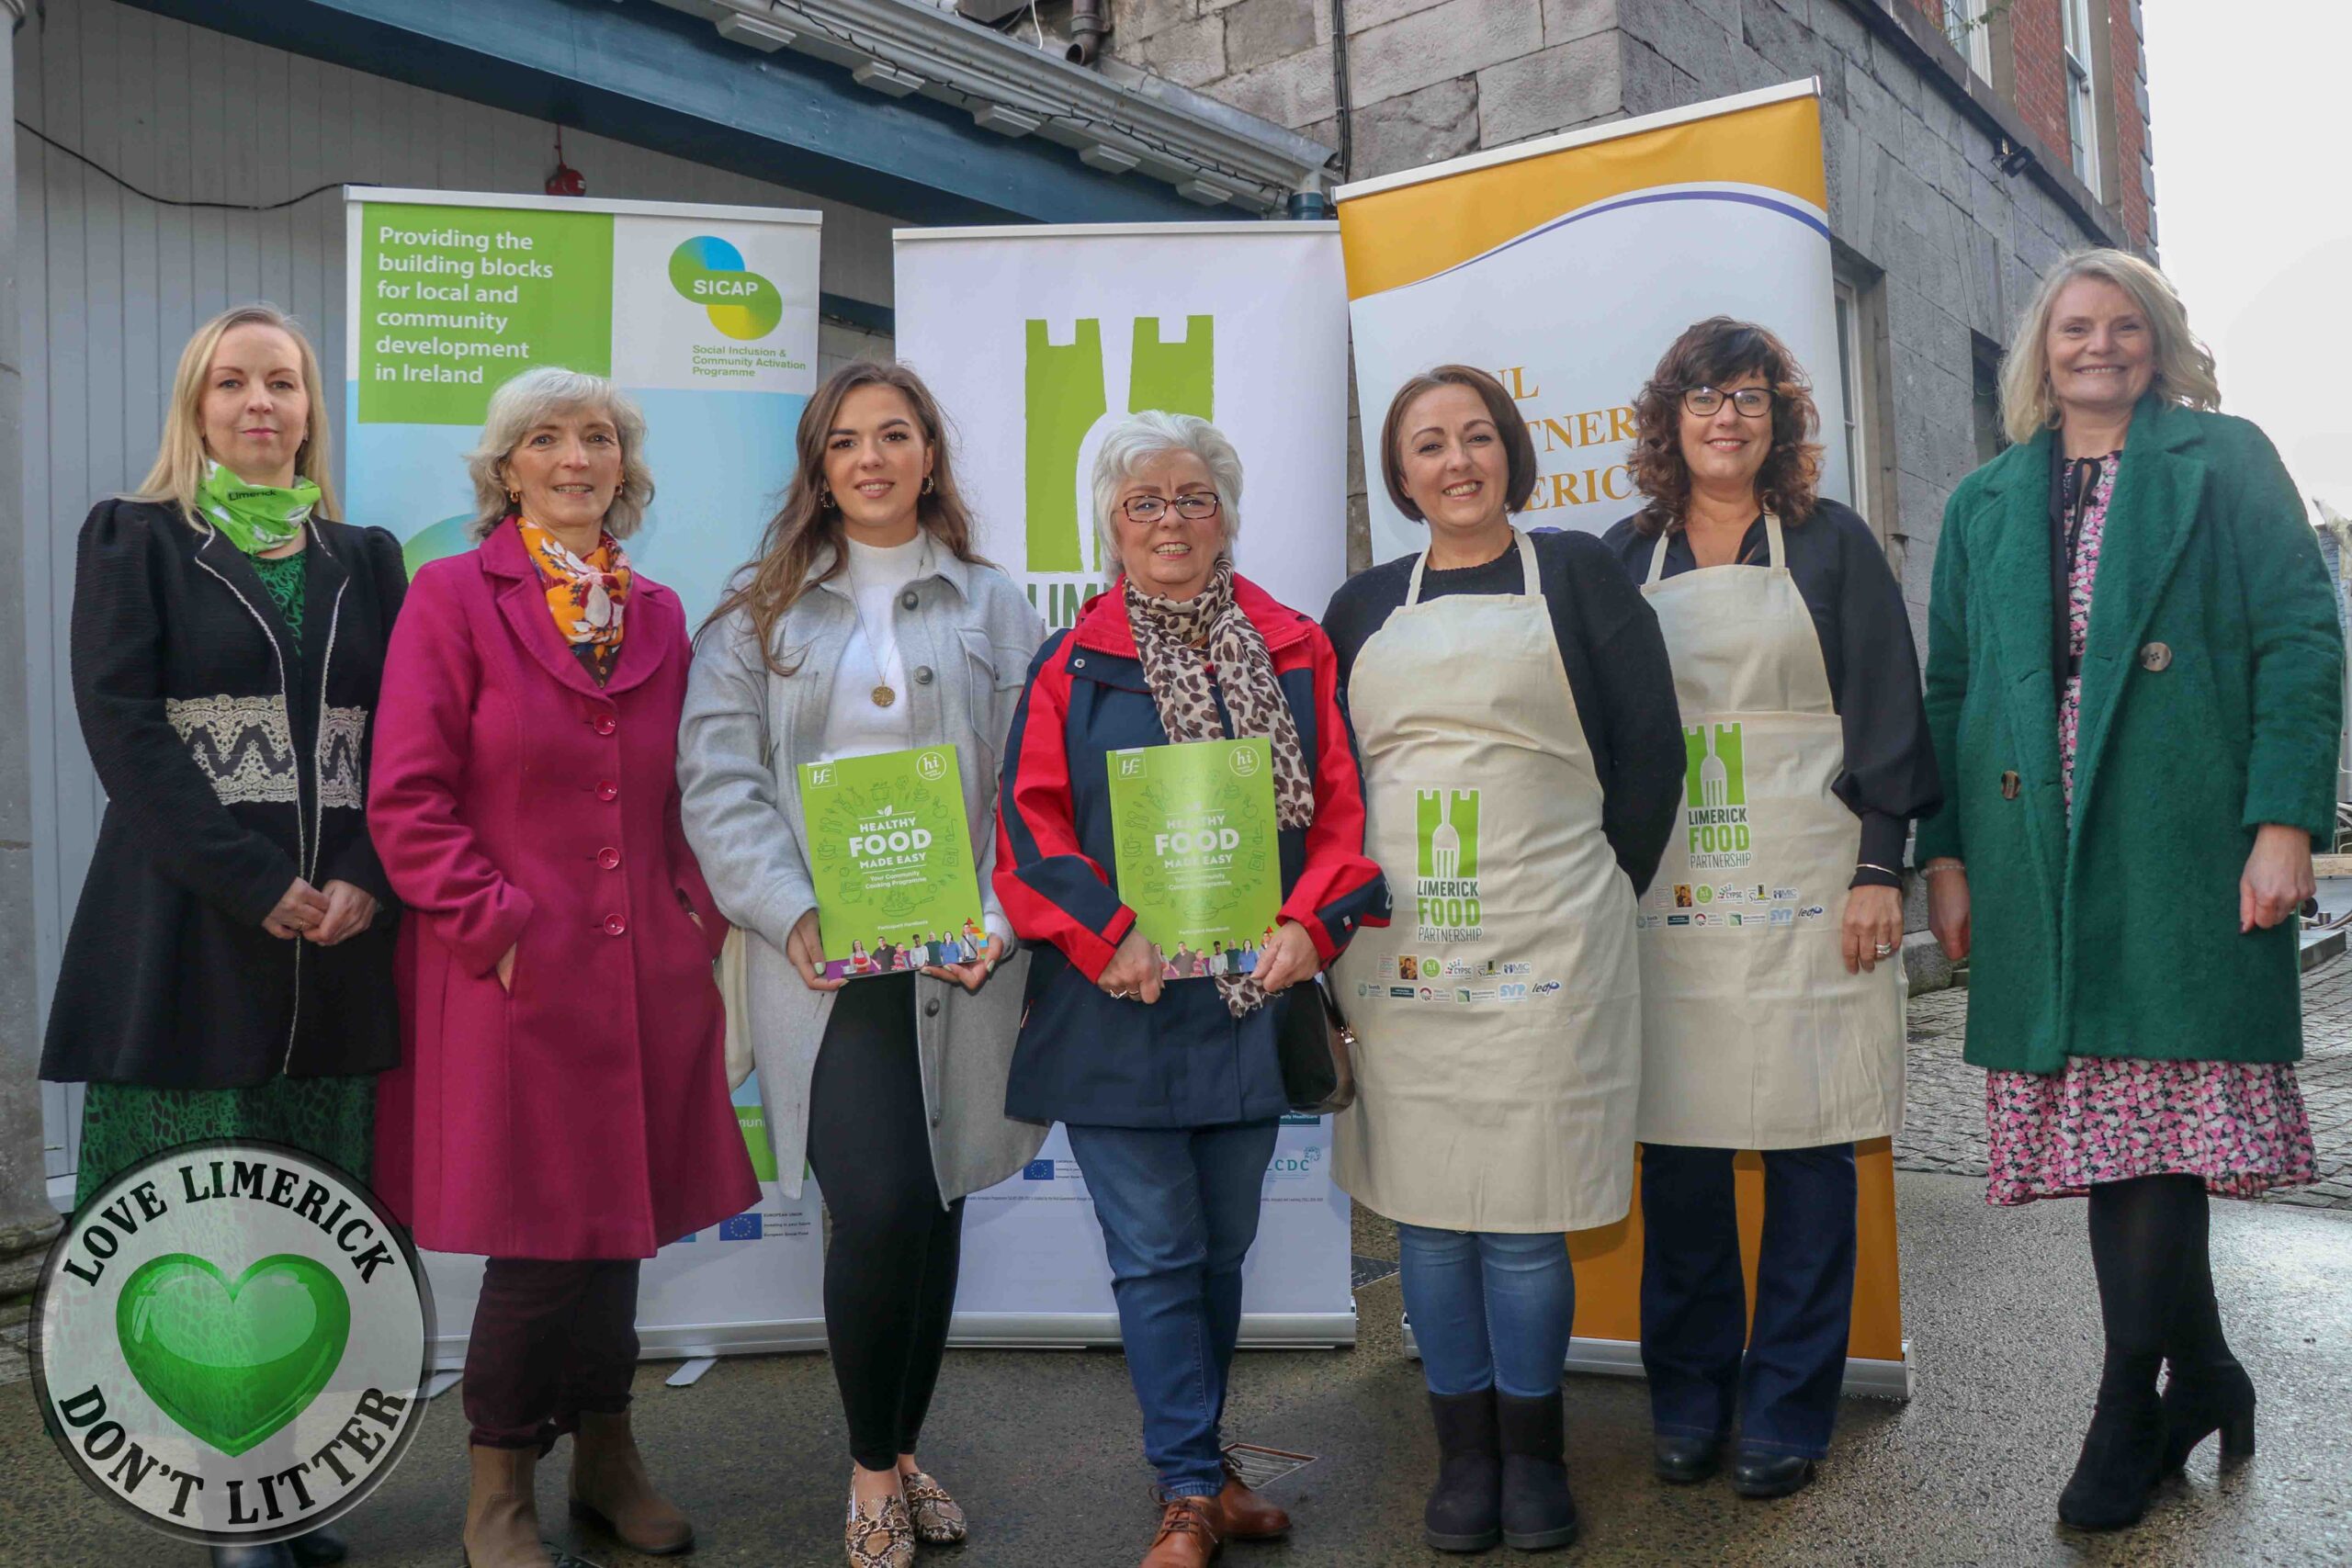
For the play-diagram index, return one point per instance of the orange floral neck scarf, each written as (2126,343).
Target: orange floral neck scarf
(585,596)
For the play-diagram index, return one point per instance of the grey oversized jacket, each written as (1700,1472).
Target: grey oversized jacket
(966,636)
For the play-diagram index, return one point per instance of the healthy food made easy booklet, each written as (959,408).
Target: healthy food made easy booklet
(892,857)
(1194,831)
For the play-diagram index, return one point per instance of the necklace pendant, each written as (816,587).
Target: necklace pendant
(884,696)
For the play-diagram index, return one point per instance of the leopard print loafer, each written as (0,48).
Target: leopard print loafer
(938,1520)
(881,1537)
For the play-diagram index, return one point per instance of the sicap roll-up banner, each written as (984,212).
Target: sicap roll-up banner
(1037,341)
(706,317)
(1567,267)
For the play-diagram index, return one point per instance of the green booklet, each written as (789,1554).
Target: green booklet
(1197,857)
(891,856)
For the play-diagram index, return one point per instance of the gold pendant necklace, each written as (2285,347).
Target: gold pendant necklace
(884,696)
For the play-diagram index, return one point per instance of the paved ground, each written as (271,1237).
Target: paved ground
(1944,1119)
(1041,1446)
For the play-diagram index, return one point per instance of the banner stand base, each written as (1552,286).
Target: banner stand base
(970,1331)
(684,1342)
(1084,1330)
(1865,1378)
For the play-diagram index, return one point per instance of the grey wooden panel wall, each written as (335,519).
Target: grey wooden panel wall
(113,284)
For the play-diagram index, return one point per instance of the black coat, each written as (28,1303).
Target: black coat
(232,763)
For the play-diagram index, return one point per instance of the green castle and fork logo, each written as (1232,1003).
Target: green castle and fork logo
(1714,796)
(1064,397)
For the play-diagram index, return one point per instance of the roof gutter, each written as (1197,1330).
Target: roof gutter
(1127,123)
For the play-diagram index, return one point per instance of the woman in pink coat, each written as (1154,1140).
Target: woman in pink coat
(563,1106)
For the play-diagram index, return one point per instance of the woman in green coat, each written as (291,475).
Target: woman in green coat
(2134,684)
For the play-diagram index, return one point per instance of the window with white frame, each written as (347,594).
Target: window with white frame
(1971,33)
(1854,354)
(2082,110)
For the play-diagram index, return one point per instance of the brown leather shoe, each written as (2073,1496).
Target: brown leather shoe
(501,1513)
(1190,1534)
(611,1489)
(1247,1515)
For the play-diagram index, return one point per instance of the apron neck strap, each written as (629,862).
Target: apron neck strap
(1776,553)
(1528,583)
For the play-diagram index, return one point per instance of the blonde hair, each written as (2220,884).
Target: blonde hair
(181,461)
(2184,365)
(531,399)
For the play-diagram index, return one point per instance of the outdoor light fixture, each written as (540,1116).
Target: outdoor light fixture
(1005,121)
(887,80)
(753,33)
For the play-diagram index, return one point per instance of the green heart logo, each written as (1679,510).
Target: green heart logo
(232,1361)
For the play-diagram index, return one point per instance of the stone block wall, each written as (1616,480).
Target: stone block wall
(1944,246)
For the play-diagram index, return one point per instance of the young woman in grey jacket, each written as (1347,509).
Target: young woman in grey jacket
(867,625)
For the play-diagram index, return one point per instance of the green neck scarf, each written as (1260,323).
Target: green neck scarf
(257,518)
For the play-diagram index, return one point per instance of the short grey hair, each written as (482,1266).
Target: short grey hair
(531,399)
(1136,441)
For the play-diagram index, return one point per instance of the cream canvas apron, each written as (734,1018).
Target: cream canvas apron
(1755,1036)
(1499,1015)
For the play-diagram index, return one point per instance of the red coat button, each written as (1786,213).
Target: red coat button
(615,926)
(608,790)
(609,857)
(606,724)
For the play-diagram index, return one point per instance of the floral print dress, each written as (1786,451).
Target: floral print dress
(2240,1125)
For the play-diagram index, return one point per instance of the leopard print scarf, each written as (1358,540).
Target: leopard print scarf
(1180,641)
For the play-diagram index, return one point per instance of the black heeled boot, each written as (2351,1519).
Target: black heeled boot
(1464,1511)
(274,1555)
(2121,1465)
(2202,1400)
(1538,1511)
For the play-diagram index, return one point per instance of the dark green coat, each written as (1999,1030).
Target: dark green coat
(2211,704)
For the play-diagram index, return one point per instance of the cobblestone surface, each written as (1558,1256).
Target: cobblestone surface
(1944,1119)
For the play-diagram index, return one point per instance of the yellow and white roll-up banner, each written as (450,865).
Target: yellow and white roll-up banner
(1567,266)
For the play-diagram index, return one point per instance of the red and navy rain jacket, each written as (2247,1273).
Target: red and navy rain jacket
(1186,1060)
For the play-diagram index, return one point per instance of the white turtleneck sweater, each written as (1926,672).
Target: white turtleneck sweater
(854,725)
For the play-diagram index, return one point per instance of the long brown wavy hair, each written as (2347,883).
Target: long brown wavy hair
(807,528)
(1709,353)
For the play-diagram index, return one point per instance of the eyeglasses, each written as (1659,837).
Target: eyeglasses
(1753,402)
(1194,506)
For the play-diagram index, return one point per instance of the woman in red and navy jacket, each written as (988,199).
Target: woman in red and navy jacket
(1172,1092)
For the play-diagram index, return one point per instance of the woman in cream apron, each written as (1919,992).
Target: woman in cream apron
(1771,981)
(1499,1015)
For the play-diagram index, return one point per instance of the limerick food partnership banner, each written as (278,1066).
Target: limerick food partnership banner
(706,315)
(1565,266)
(1038,339)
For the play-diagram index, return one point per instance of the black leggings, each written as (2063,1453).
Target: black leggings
(891,1263)
(2150,1249)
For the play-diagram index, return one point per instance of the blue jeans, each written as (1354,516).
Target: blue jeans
(1694,1304)
(1490,1309)
(1179,1209)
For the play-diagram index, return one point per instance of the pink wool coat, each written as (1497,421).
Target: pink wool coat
(585,1114)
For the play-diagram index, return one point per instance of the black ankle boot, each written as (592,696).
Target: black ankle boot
(1537,1511)
(2202,1400)
(2121,1465)
(272,1556)
(1465,1512)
